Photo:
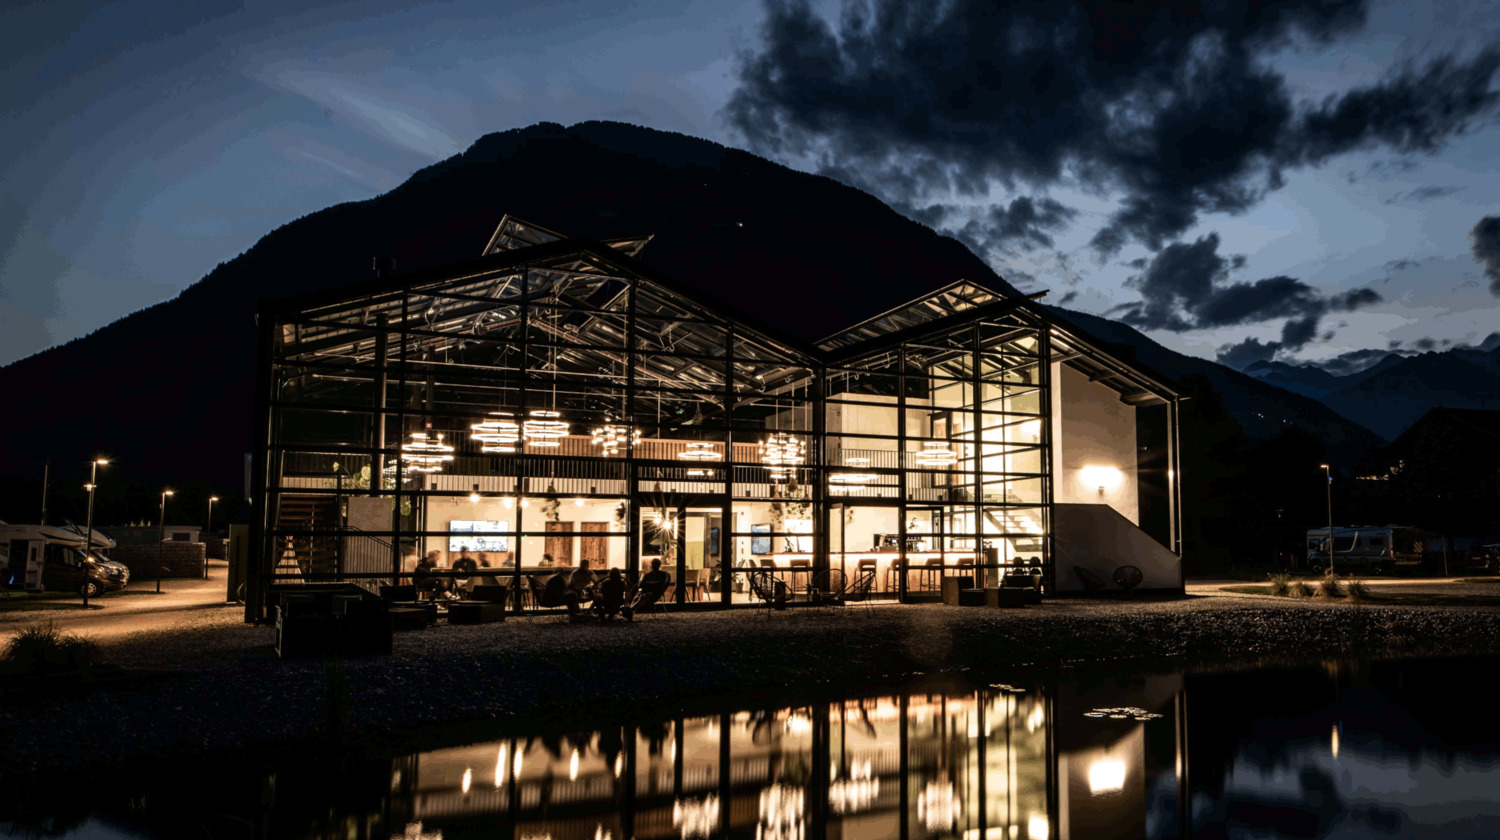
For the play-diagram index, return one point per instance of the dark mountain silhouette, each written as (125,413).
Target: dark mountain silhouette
(1394,398)
(168,390)
(1261,408)
(1390,395)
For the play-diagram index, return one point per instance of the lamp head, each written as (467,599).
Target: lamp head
(101,461)
(212,499)
(1322,466)
(168,493)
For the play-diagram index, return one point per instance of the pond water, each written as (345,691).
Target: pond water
(1395,749)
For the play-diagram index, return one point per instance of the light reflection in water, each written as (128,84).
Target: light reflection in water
(1076,759)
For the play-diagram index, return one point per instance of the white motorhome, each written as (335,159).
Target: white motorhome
(1374,548)
(48,557)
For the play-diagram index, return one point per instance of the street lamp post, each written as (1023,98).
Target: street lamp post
(208,533)
(161,536)
(1328,471)
(88,538)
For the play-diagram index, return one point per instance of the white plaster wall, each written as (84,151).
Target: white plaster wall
(1093,441)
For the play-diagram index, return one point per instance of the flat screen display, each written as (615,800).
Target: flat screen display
(760,545)
(462,535)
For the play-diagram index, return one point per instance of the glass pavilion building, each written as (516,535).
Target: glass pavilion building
(556,400)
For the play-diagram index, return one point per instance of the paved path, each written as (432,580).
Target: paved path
(136,608)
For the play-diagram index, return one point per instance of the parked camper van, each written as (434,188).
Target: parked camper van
(1368,548)
(46,557)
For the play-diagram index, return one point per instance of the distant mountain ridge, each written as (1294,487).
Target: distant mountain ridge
(172,386)
(1393,393)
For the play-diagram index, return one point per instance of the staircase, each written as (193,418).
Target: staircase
(308,554)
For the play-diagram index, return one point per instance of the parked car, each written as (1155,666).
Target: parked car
(48,558)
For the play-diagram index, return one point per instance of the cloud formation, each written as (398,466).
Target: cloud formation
(1484,240)
(1173,107)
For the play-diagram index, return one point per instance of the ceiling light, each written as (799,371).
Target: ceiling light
(611,436)
(426,453)
(498,434)
(936,454)
(544,429)
(782,453)
(700,451)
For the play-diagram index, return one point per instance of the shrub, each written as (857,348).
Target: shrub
(40,647)
(1358,589)
(1281,584)
(1330,586)
(1300,589)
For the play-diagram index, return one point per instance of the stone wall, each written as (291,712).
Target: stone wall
(175,559)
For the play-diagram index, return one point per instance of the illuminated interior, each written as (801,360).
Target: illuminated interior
(556,401)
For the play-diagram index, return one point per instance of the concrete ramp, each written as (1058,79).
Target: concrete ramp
(1099,539)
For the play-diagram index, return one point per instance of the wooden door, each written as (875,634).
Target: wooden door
(594,549)
(561,548)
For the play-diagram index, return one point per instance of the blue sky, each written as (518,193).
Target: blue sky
(148,144)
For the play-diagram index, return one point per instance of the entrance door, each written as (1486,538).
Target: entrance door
(561,548)
(595,549)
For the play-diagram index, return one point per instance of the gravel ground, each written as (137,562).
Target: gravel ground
(212,684)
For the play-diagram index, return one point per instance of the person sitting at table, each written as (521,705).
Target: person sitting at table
(547,560)
(611,596)
(507,559)
(653,585)
(424,579)
(466,565)
(580,588)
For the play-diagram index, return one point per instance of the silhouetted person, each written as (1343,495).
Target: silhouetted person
(611,595)
(653,586)
(580,588)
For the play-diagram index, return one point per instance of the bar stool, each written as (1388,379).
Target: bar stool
(800,577)
(893,574)
(932,576)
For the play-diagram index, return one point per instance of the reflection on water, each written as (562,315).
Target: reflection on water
(1381,750)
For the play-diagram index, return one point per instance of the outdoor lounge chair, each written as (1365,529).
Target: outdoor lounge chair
(859,589)
(1128,577)
(827,588)
(650,597)
(485,605)
(549,595)
(768,590)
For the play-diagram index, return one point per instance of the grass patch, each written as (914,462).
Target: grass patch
(1330,586)
(1358,589)
(1300,589)
(40,648)
(1281,584)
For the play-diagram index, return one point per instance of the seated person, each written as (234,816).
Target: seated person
(507,559)
(611,595)
(464,564)
(424,579)
(580,588)
(653,585)
(484,578)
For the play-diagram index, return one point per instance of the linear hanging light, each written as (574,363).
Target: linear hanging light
(936,454)
(426,453)
(700,451)
(497,434)
(544,429)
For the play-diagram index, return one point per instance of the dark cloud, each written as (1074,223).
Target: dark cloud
(1025,225)
(1186,286)
(1068,298)
(1423,194)
(1484,239)
(1354,299)
(1173,105)
(1424,343)
(1246,353)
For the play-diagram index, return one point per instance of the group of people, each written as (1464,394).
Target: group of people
(467,569)
(606,598)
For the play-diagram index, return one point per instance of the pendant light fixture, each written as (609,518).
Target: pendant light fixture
(611,437)
(544,430)
(426,453)
(935,453)
(498,434)
(700,451)
(782,453)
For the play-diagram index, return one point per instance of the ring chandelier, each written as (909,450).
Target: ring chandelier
(544,429)
(936,454)
(498,434)
(426,453)
(700,451)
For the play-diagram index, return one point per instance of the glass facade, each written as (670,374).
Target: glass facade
(555,403)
